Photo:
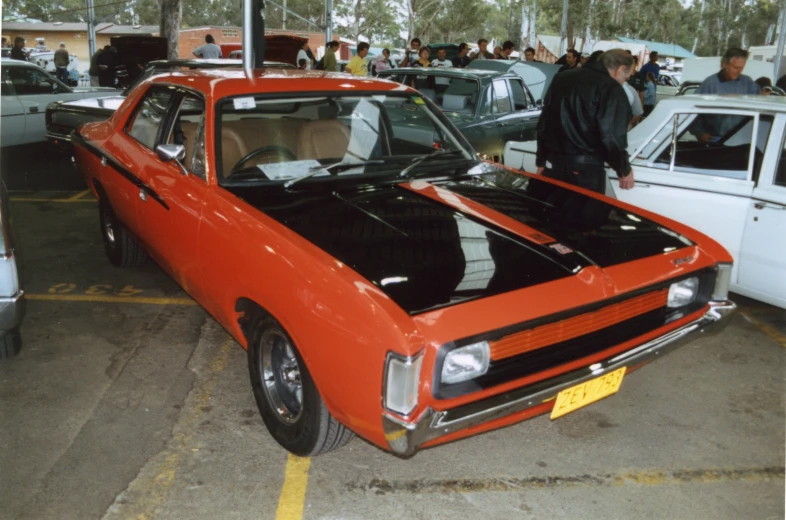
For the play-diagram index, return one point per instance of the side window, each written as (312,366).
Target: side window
(146,122)
(188,129)
(501,97)
(28,81)
(520,101)
(709,144)
(485,101)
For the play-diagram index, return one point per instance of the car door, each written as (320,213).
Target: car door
(507,119)
(35,89)
(762,270)
(170,225)
(484,134)
(12,129)
(524,109)
(707,187)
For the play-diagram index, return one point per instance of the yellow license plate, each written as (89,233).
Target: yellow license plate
(587,392)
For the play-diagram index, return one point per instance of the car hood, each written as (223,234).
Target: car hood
(429,245)
(105,103)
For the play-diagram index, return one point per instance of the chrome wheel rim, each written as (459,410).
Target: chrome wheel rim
(109,231)
(281,376)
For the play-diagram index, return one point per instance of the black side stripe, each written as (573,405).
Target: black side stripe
(77,139)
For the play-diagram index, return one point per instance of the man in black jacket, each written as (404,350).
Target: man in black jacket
(584,124)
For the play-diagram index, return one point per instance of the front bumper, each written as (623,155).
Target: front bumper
(405,438)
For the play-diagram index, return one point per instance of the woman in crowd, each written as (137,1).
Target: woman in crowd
(649,94)
(423,58)
(382,62)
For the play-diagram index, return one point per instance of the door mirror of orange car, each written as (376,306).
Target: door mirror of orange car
(173,152)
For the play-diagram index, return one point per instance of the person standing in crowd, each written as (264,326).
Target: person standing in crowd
(329,62)
(507,49)
(208,51)
(302,54)
(462,60)
(3,42)
(18,52)
(498,52)
(636,80)
(483,53)
(411,53)
(583,60)
(529,55)
(584,124)
(423,60)
(107,63)
(358,66)
(649,94)
(571,60)
(730,79)
(652,66)
(61,63)
(781,83)
(442,60)
(95,70)
(636,105)
(382,62)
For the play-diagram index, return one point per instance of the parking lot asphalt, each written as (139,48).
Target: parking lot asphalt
(128,401)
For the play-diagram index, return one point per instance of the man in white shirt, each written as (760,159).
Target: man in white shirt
(208,51)
(635,104)
(442,61)
(303,55)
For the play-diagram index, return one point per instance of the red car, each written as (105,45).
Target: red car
(384,281)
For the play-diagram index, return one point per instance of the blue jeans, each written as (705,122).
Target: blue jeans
(61,73)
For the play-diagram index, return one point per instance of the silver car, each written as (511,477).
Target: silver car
(12,302)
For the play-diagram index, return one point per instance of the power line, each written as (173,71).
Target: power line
(73,10)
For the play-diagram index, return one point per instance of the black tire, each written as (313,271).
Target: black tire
(10,344)
(121,248)
(304,428)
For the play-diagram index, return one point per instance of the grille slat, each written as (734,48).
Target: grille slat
(545,335)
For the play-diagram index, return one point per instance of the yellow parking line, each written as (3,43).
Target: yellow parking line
(111,299)
(769,330)
(293,494)
(78,196)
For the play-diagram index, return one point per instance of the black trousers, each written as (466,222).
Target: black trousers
(583,171)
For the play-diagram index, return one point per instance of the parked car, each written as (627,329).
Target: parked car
(689,87)
(732,189)
(384,280)
(488,107)
(62,117)
(668,85)
(536,76)
(26,91)
(12,301)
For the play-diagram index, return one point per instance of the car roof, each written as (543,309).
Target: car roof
(221,83)
(19,63)
(449,71)
(198,63)
(739,102)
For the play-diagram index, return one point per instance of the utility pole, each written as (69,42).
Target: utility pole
(563,32)
(91,28)
(284,18)
(328,21)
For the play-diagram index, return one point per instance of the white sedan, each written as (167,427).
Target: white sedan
(26,90)
(732,188)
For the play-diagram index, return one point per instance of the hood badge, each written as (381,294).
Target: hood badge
(561,249)
(684,260)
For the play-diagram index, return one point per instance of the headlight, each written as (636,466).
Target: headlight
(401,383)
(722,282)
(465,363)
(684,292)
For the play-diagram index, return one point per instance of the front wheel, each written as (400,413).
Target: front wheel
(288,399)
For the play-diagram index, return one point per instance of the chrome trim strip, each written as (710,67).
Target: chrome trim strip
(405,438)
(59,137)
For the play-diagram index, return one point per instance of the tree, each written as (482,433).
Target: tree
(375,20)
(171,17)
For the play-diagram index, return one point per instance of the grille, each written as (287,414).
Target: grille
(545,335)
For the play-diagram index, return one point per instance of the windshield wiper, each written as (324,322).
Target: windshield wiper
(435,153)
(336,166)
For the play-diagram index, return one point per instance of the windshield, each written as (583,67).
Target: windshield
(265,139)
(451,94)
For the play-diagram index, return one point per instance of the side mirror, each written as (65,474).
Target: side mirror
(173,152)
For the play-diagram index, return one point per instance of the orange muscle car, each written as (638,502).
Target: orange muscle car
(384,281)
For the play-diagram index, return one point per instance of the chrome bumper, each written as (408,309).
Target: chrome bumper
(406,438)
(12,310)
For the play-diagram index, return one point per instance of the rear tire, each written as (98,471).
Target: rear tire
(10,344)
(121,248)
(288,399)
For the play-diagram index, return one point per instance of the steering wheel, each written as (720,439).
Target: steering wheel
(283,151)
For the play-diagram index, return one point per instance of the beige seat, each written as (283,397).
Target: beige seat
(233,148)
(189,139)
(323,139)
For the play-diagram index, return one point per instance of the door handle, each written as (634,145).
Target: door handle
(33,110)
(763,205)
(502,124)
(142,195)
